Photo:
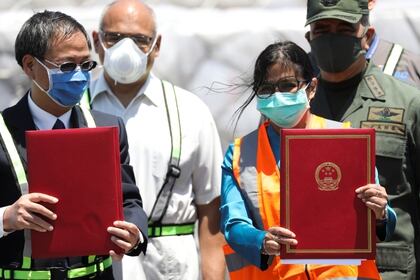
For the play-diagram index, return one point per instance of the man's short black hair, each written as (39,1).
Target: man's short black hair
(37,33)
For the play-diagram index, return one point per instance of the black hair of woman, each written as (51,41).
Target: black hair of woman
(286,53)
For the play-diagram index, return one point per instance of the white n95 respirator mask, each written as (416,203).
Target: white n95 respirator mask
(124,62)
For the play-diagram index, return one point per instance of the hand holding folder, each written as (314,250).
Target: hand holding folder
(320,171)
(80,167)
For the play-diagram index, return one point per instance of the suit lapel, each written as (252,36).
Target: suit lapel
(19,119)
(77,118)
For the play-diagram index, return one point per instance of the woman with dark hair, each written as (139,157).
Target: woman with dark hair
(283,85)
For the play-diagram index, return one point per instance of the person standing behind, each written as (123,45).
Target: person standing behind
(392,58)
(53,50)
(351,89)
(183,151)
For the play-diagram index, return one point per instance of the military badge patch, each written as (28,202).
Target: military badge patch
(374,86)
(385,127)
(386,114)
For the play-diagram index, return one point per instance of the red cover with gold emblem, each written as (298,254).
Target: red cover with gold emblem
(81,167)
(320,170)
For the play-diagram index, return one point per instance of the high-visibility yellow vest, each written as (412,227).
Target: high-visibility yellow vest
(25,272)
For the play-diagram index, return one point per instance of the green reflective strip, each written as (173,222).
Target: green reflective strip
(174,119)
(88,116)
(14,156)
(393,59)
(170,230)
(26,263)
(85,101)
(33,274)
(84,271)
(46,274)
(176,152)
(91,259)
(21,180)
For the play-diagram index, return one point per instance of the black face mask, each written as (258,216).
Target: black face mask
(335,52)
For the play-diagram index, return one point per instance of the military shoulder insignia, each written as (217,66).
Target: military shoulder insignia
(374,86)
(402,75)
(329,3)
(386,114)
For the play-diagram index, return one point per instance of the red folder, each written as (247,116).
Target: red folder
(320,170)
(81,167)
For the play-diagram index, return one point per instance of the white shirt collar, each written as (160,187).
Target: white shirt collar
(45,120)
(150,88)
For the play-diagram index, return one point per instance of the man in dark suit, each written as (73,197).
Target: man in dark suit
(54,51)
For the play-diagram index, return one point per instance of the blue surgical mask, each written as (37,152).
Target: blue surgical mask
(65,88)
(285,109)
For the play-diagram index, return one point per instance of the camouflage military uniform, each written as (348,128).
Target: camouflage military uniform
(393,109)
(406,66)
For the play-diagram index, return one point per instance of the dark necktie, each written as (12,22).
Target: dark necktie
(58,125)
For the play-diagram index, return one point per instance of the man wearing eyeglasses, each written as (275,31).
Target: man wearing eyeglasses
(53,50)
(174,148)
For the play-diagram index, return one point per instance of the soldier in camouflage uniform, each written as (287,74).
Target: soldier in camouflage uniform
(351,89)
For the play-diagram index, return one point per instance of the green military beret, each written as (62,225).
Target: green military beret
(347,10)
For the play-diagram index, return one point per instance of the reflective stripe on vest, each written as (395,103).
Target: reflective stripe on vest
(85,101)
(20,176)
(46,274)
(393,58)
(169,230)
(251,169)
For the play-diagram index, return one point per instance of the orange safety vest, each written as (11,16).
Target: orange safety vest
(258,176)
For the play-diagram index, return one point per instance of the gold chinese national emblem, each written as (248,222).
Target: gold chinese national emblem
(328,176)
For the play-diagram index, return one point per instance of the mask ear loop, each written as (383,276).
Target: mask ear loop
(101,42)
(49,77)
(306,93)
(153,44)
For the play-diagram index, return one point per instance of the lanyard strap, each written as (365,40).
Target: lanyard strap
(165,193)
(171,105)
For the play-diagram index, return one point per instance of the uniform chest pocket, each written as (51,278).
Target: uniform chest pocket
(390,146)
(390,160)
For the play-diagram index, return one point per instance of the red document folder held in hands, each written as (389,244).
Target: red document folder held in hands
(81,167)
(320,171)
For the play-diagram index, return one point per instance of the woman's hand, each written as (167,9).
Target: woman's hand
(275,237)
(375,197)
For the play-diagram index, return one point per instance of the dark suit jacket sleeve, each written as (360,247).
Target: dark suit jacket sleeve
(132,202)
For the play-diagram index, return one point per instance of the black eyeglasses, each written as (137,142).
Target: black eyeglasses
(290,84)
(142,41)
(67,67)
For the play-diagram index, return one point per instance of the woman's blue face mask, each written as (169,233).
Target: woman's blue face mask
(284,109)
(65,88)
